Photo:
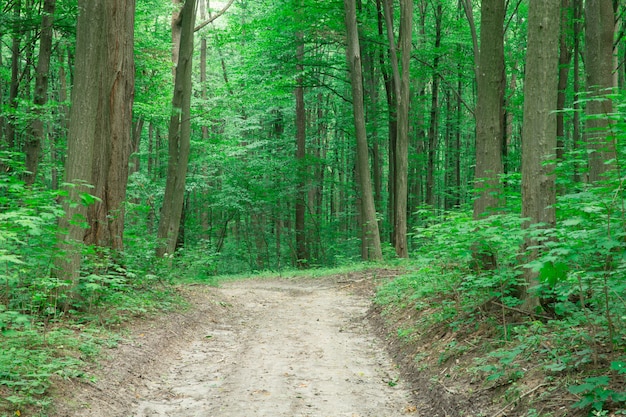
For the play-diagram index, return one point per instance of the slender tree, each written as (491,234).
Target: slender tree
(433,128)
(32,147)
(300,204)
(369,223)
(179,134)
(402,140)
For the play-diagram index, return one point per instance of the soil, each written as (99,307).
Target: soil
(262,347)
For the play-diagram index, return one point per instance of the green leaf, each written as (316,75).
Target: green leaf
(87,199)
(553,272)
(618,366)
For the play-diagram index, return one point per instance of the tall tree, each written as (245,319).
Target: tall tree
(489,107)
(539,130)
(384,15)
(402,139)
(300,204)
(433,128)
(179,134)
(80,143)
(15,74)
(112,135)
(369,223)
(599,65)
(32,147)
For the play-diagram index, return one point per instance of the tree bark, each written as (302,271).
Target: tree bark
(539,130)
(369,224)
(565,57)
(392,121)
(599,65)
(112,135)
(80,142)
(15,76)
(402,140)
(300,203)
(434,115)
(32,147)
(489,108)
(576,134)
(179,136)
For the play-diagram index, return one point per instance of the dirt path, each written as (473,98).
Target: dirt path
(281,348)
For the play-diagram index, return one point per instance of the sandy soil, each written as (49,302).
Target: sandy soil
(275,348)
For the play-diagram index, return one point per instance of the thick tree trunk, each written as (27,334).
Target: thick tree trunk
(179,136)
(489,109)
(32,147)
(80,142)
(539,131)
(599,65)
(112,137)
(369,224)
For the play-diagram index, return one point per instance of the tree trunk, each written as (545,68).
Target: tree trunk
(565,56)
(434,115)
(35,137)
(369,223)
(392,122)
(179,136)
(15,76)
(300,206)
(402,140)
(576,134)
(599,65)
(112,135)
(489,109)
(539,130)
(80,141)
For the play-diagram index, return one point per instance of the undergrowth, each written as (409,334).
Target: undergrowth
(570,353)
(48,332)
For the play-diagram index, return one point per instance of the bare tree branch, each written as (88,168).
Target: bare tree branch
(212,18)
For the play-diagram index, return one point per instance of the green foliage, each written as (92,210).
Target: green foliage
(595,392)
(467,272)
(50,327)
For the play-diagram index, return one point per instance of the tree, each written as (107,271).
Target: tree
(112,135)
(179,135)
(402,139)
(80,143)
(300,204)
(489,108)
(599,64)
(36,135)
(539,131)
(369,223)
(489,119)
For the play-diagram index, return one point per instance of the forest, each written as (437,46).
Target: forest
(474,145)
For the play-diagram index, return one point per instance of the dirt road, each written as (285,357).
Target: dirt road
(279,348)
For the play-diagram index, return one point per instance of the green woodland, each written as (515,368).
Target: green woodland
(477,147)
